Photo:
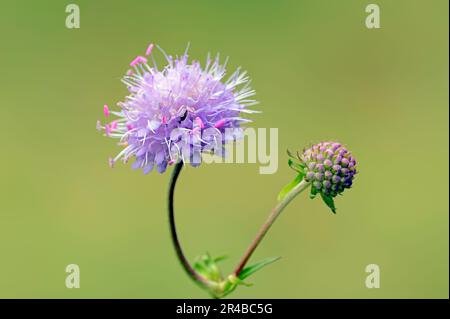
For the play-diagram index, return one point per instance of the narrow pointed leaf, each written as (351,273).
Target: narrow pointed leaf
(286,189)
(313,193)
(329,202)
(201,268)
(220,258)
(250,270)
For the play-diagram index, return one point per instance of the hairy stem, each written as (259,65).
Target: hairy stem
(276,211)
(173,231)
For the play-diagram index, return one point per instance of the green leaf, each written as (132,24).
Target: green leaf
(286,189)
(229,287)
(329,201)
(313,193)
(220,258)
(201,266)
(250,270)
(207,267)
(201,269)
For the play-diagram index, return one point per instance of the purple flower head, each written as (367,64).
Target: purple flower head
(331,160)
(328,167)
(177,112)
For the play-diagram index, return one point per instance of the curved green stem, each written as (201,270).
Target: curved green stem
(199,279)
(276,211)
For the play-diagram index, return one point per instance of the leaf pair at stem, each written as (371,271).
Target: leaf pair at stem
(217,285)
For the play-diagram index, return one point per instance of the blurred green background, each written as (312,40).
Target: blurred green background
(319,73)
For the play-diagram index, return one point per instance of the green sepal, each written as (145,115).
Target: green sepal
(290,154)
(287,188)
(298,167)
(329,202)
(295,163)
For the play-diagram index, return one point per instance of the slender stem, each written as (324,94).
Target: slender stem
(173,231)
(276,211)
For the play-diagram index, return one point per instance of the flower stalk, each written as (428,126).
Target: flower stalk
(199,279)
(326,168)
(276,211)
(205,272)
